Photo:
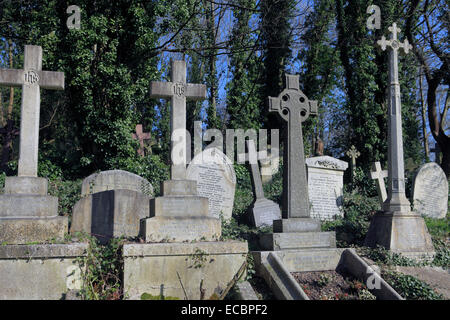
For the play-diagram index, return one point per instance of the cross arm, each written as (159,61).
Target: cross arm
(51,80)
(11,77)
(195,91)
(160,89)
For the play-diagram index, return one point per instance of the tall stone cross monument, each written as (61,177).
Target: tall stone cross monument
(178,91)
(397,228)
(297,230)
(31,78)
(25,204)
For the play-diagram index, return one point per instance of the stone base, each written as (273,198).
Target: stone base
(165,268)
(172,206)
(26,185)
(264,212)
(44,271)
(296,225)
(297,240)
(109,214)
(25,205)
(180,229)
(27,230)
(404,233)
(179,188)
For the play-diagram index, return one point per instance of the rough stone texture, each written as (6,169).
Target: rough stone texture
(179,229)
(216,180)
(110,214)
(38,272)
(26,230)
(171,206)
(153,268)
(245,291)
(431,191)
(297,240)
(326,186)
(114,180)
(179,188)
(296,225)
(264,212)
(26,185)
(24,205)
(403,233)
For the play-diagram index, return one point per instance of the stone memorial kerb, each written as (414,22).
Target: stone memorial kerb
(31,78)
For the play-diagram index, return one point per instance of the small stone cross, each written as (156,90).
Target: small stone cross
(141,136)
(178,91)
(353,154)
(378,175)
(31,78)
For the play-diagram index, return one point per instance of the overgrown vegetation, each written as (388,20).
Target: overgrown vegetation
(410,287)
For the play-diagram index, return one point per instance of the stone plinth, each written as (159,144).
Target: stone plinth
(168,267)
(297,240)
(404,233)
(40,272)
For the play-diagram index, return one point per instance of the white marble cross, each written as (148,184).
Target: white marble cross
(379,175)
(396,201)
(178,91)
(31,78)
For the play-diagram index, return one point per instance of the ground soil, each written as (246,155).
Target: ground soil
(331,285)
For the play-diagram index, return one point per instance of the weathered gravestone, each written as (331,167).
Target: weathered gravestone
(182,255)
(263,211)
(326,186)
(431,191)
(112,205)
(27,213)
(397,228)
(216,180)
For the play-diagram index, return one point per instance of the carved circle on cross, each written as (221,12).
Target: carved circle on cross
(294,100)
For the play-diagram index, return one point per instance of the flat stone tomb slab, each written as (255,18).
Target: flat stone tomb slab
(163,267)
(40,272)
(297,240)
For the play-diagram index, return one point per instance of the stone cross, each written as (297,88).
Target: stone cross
(379,175)
(178,91)
(397,201)
(141,136)
(294,107)
(353,154)
(256,176)
(31,78)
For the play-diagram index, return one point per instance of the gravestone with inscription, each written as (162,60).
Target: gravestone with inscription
(113,203)
(326,186)
(30,266)
(431,191)
(216,180)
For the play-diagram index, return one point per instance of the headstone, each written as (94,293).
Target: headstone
(326,186)
(353,154)
(141,136)
(114,180)
(297,230)
(216,180)
(431,191)
(113,203)
(397,228)
(263,210)
(378,175)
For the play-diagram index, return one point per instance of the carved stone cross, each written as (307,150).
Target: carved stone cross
(141,136)
(353,154)
(31,78)
(178,91)
(378,175)
(294,107)
(397,201)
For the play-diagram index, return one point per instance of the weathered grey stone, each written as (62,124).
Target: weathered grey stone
(180,228)
(326,186)
(297,240)
(179,188)
(168,267)
(402,233)
(110,214)
(26,185)
(216,180)
(245,291)
(27,230)
(36,272)
(171,206)
(115,180)
(31,79)
(24,205)
(296,225)
(431,191)
(378,175)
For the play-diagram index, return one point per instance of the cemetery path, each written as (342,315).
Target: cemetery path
(436,277)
